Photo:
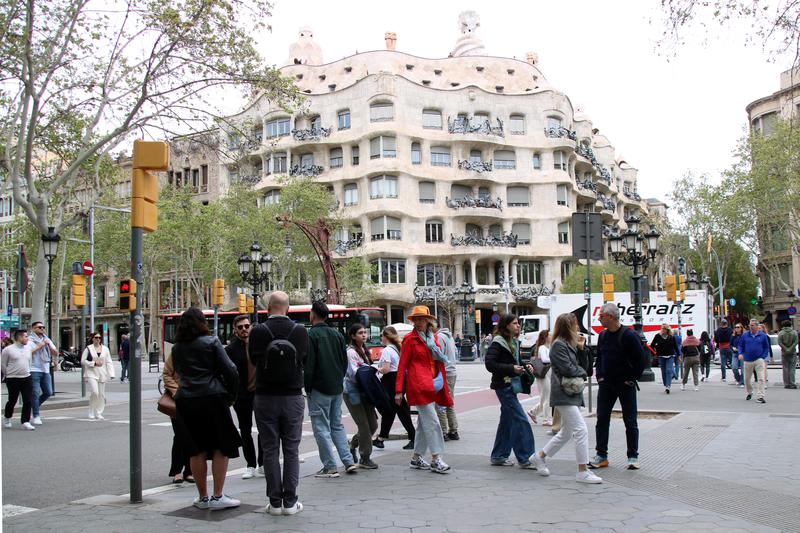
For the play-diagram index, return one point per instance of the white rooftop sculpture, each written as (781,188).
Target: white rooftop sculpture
(469,44)
(305,51)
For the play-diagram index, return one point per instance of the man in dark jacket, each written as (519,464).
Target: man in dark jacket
(620,363)
(237,351)
(324,379)
(278,403)
(722,340)
(787,339)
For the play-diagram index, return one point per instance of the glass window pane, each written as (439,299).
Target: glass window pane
(517,196)
(427,191)
(432,119)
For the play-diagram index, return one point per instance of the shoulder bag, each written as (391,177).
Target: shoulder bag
(166,405)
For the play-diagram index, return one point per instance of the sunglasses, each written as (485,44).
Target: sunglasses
(243,326)
(94,338)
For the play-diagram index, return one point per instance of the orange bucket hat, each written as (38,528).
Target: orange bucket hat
(421,311)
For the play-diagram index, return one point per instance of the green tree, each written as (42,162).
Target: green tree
(574,282)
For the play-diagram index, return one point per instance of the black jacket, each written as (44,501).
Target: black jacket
(620,355)
(500,362)
(664,346)
(237,351)
(281,327)
(204,369)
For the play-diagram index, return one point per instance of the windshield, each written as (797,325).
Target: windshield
(374,321)
(530,325)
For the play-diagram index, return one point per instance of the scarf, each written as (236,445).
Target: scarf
(436,352)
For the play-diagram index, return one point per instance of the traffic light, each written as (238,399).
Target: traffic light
(127,295)
(681,265)
(78,290)
(144,192)
(242,303)
(608,287)
(682,283)
(251,305)
(218,293)
(669,282)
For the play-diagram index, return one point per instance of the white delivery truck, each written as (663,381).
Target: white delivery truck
(694,314)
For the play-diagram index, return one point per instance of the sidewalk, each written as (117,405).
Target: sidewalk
(701,471)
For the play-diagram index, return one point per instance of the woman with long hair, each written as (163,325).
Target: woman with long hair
(208,382)
(503,361)
(387,366)
(421,374)
(707,349)
(569,360)
(665,347)
(541,350)
(97,371)
(358,403)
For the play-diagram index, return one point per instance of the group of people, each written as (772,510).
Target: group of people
(678,357)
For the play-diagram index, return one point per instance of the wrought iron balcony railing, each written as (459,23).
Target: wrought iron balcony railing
(556,132)
(467,125)
(311,134)
(472,201)
(508,240)
(475,166)
(306,170)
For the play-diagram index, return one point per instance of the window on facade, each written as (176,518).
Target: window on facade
(440,156)
(388,271)
(354,154)
(427,192)
(280,164)
(383,187)
(278,127)
(382,146)
(562,194)
(381,112)
(505,159)
(475,156)
(563,233)
(416,154)
(306,160)
(516,125)
(460,191)
(523,232)
(479,119)
(435,275)
(529,273)
(778,238)
(258,134)
(203,178)
(473,230)
(496,230)
(385,227)
(765,124)
(6,206)
(517,196)
(484,193)
(433,231)
(196,178)
(343,117)
(554,122)
(559,160)
(566,269)
(537,161)
(432,119)
(351,194)
(315,123)
(482,274)
(272,197)
(337,158)
(785,272)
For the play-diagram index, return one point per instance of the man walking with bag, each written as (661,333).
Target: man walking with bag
(278,350)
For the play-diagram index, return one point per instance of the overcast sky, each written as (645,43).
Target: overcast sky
(667,112)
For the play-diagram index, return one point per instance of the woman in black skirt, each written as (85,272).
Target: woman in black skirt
(208,385)
(387,365)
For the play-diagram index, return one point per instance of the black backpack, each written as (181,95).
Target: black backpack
(280,361)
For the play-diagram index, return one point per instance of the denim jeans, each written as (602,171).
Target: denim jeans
(667,370)
(607,395)
(738,369)
(513,431)
(724,359)
(326,421)
(124,364)
(42,389)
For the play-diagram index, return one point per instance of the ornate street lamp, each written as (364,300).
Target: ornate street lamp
(467,294)
(635,248)
(255,269)
(50,242)
(692,280)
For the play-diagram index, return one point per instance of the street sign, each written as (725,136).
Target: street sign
(587,230)
(495,318)
(10,310)
(88,268)
(792,311)
(9,322)
(732,301)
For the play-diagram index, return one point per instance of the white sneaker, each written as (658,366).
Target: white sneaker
(28,426)
(201,503)
(541,464)
(37,420)
(587,476)
(697,388)
(100,417)
(91,415)
(439,467)
(260,471)
(222,502)
(683,387)
(249,473)
(294,509)
(6,422)
(274,511)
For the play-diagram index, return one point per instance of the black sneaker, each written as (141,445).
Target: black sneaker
(453,435)
(409,446)
(445,436)
(378,443)
(761,400)
(325,473)
(367,463)
(748,397)
(354,453)
(351,468)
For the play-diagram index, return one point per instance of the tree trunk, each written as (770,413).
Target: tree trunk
(38,301)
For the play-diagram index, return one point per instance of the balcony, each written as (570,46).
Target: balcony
(506,240)
(475,165)
(558,132)
(587,153)
(311,134)
(467,125)
(633,195)
(471,201)
(306,170)
(342,247)
(586,184)
(247,179)
(609,230)
(608,203)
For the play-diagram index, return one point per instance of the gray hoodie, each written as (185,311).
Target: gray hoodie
(449,349)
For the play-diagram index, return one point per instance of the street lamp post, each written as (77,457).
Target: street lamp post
(636,248)
(467,293)
(50,246)
(255,269)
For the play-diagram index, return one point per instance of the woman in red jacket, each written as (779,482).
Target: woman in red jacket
(421,371)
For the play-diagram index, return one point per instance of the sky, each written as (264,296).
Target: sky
(668,111)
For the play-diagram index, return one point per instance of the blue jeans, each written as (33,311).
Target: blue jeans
(326,421)
(42,389)
(724,359)
(667,370)
(513,431)
(124,364)
(738,369)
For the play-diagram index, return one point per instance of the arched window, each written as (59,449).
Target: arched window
(496,230)
(559,160)
(553,122)
(473,230)
(351,194)
(529,273)
(272,197)
(383,187)
(336,158)
(278,127)
(562,194)
(440,156)
(563,233)
(382,146)
(343,117)
(432,119)
(475,156)
(416,154)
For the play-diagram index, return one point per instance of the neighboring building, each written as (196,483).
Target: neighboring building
(448,171)
(779,285)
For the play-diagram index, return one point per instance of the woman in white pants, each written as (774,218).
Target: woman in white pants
(568,359)
(98,369)
(541,350)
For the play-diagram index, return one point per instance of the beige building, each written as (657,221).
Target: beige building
(447,171)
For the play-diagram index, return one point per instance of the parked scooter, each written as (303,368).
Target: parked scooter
(68,360)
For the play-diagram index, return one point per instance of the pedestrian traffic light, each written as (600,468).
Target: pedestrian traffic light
(144,191)
(669,282)
(78,290)
(218,293)
(251,305)
(682,287)
(681,265)
(127,295)
(242,303)
(608,287)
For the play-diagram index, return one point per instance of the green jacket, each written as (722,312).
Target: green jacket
(787,339)
(326,364)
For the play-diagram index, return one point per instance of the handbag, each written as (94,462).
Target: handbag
(540,368)
(166,405)
(573,386)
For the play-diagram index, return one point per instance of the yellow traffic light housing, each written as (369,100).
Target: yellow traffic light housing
(251,305)
(127,295)
(147,156)
(218,292)
(669,282)
(242,303)
(78,290)
(682,286)
(608,287)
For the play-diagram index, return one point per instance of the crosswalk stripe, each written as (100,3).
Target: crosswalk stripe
(14,510)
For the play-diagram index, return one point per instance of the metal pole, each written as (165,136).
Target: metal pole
(135,403)
(50,316)
(81,342)
(721,286)
(589,297)
(216,320)
(637,298)
(435,306)
(92,309)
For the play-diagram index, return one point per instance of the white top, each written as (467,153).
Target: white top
(544,353)
(390,355)
(353,362)
(16,361)
(100,367)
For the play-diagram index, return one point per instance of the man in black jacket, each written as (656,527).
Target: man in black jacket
(278,350)
(237,351)
(620,363)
